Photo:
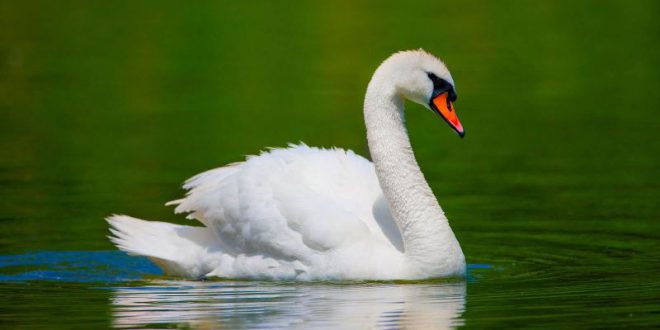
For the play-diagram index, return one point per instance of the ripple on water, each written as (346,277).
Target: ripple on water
(160,301)
(260,304)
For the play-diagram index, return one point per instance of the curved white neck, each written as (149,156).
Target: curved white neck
(429,243)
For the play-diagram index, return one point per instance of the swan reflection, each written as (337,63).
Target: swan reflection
(212,305)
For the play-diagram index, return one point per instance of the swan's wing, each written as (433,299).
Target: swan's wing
(291,204)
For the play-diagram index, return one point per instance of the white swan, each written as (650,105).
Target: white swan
(308,213)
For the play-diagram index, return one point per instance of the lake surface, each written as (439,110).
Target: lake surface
(108,107)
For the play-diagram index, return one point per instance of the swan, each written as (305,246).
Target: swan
(306,213)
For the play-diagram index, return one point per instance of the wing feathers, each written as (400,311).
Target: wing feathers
(287,204)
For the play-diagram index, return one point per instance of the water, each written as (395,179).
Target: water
(271,305)
(553,193)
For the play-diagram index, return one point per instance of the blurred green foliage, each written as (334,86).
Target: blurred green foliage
(108,106)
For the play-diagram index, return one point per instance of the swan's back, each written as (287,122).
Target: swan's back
(295,212)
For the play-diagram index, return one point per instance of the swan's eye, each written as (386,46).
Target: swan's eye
(441,86)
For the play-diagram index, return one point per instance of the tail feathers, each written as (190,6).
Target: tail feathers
(178,250)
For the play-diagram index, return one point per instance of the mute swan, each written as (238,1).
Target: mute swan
(307,213)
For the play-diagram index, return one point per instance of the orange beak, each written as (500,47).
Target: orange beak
(445,109)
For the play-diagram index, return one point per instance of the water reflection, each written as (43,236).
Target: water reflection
(251,305)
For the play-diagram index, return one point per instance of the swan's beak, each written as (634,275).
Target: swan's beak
(445,109)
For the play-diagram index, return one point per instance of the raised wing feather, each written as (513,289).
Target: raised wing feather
(290,204)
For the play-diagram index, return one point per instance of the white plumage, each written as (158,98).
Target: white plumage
(309,213)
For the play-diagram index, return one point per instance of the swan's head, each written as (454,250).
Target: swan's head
(424,79)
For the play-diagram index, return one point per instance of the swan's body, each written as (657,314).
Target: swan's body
(309,213)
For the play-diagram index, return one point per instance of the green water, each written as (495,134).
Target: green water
(553,194)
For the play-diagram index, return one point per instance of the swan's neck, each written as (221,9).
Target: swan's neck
(429,243)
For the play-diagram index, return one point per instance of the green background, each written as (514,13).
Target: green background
(106,107)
